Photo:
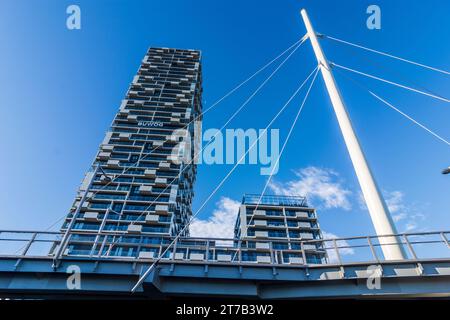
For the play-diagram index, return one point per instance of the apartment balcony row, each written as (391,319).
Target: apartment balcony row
(151,73)
(280,215)
(165,159)
(124,189)
(164,66)
(155,113)
(183,61)
(268,234)
(129,192)
(163,163)
(151,128)
(195,254)
(147,137)
(122,205)
(162,86)
(154,73)
(151,218)
(110,181)
(114,228)
(146,83)
(151,118)
(137,149)
(174,51)
(281,225)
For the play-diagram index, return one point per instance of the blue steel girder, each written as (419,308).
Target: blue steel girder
(35,277)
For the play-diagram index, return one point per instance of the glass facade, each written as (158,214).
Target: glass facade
(283,228)
(138,191)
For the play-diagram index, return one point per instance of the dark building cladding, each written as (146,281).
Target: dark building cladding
(140,188)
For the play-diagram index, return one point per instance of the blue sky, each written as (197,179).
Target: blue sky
(61,89)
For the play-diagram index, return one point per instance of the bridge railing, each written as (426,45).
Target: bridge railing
(131,247)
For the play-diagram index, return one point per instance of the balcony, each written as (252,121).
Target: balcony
(261,234)
(173,159)
(302,214)
(295,260)
(224,258)
(161,182)
(151,218)
(197,256)
(259,212)
(150,173)
(103,155)
(164,165)
(124,136)
(260,223)
(263,259)
(146,255)
(113,163)
(262,245)
(134,228)
(162,209)
(304,224)
(107,147)
(145,189)
(90,216)
(132,118)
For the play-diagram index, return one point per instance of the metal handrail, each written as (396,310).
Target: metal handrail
(208,246)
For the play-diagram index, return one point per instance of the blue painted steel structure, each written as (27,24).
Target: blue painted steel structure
(28,274)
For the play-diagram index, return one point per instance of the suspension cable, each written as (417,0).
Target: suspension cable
(362,86)
(282,148)
(409,117)
(390,82)
(296,44)
(386,54)
(215,135)
(147,272)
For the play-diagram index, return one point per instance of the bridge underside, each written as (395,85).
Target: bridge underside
(35,278)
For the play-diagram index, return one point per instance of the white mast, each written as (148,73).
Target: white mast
(378,210)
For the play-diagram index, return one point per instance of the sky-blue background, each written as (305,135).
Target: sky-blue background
(59,90)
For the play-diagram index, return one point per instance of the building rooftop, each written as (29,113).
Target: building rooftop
(289,201)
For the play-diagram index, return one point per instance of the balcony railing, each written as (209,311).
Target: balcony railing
(290,201)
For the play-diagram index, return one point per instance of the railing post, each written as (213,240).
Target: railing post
(239,251)
(410,248)
(27,247)
(302,247)
(174,250)
(102,246)
(272,257)
(372,249)
(338,256)
(64,240)
(445,240)
(419,265)
(207,251)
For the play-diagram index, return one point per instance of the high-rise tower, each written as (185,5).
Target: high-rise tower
(138,187)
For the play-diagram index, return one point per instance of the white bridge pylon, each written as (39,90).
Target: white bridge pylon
(379,213)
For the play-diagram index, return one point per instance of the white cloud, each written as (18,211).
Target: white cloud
(220,224)
(317,184)
(407,217)
(331,252)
